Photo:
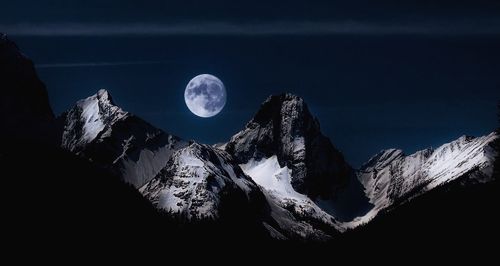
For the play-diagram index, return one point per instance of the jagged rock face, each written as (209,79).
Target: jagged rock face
(97,129)
(24,105)
(197,180)
(284,127)
(391,176)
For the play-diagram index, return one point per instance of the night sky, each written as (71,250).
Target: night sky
(377,74)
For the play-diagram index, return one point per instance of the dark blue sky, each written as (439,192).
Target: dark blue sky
(407,74)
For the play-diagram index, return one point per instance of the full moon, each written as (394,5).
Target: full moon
(205,95)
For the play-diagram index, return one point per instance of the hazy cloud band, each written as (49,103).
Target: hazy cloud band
(271,28)
(97,64)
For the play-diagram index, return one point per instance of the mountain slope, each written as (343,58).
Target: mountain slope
(24,104)
(202,185)
(454,216)
(391,177)
(96,129)
(195,180)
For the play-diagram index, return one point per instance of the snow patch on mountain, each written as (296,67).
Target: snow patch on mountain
(276,182)
(268,174)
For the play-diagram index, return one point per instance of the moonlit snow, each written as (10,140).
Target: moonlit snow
(391,175)
(205,95)
(268,174)
(276,184)
(194,181)
(135,150)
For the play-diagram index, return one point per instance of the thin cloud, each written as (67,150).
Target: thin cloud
(97,64)
(269,28)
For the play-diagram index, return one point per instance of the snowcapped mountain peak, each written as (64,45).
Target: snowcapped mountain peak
(102,105)
(283,149)
(283,97)
(283,126)
(103,97)
(391,176)
(196,181)
(95,115)
(103,94)
(287,105)
(97,129)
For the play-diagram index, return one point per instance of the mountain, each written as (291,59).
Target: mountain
(283,150)
(391,178)
(284,127)
(98,130)
(24,105)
